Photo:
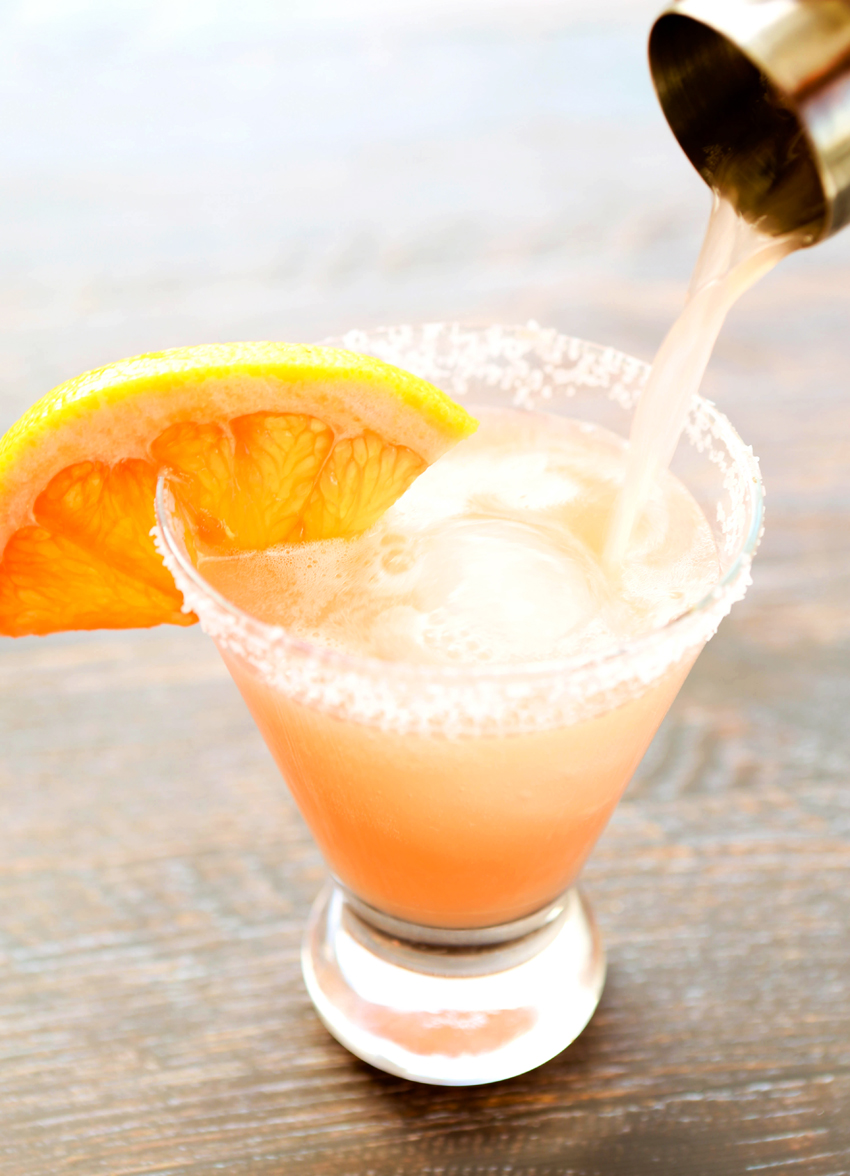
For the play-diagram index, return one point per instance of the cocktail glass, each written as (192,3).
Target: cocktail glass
(455,807)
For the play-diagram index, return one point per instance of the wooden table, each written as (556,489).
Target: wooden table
(154,874)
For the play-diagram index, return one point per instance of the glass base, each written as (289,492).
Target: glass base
(452,1008)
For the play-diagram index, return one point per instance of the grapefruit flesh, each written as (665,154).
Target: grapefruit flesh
(268,443)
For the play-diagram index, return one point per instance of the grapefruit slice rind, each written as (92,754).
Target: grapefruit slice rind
(269,442)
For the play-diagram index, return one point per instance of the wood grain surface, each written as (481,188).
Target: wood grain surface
(176,175)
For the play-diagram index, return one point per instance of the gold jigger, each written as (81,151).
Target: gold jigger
(758,94)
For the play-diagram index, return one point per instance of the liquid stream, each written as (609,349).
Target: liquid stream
(734,255)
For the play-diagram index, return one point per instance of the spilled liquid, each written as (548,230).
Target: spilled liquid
(494,555)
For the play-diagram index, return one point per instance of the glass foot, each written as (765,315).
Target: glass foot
(452,1008)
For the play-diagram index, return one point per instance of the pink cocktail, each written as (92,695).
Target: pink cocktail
(455,801)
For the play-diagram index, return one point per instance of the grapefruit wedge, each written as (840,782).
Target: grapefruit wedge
(271,443)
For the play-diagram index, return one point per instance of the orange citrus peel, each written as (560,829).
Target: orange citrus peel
(270,443)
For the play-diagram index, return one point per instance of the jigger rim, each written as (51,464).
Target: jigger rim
(799,47)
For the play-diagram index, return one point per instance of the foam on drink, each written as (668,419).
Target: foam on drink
(494,555)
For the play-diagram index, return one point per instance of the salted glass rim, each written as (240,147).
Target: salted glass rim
(686,629)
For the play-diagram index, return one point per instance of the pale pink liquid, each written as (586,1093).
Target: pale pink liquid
(735,254)
(493,557)
(455,833)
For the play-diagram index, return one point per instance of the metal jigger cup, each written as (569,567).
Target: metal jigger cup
(757,92)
